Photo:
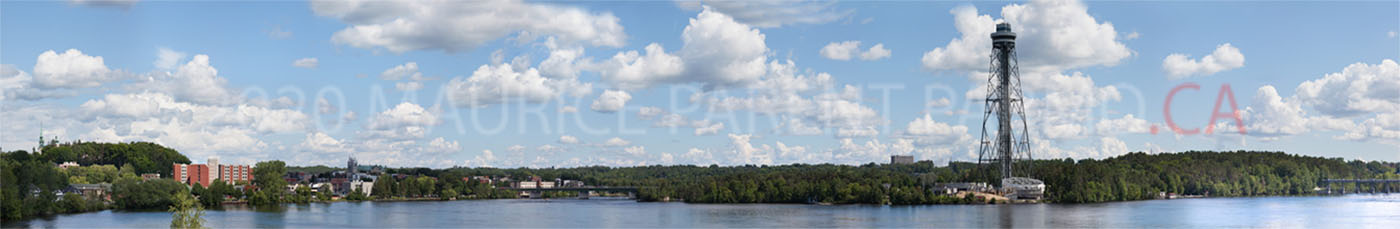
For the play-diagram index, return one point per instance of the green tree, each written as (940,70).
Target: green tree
(186,212)
(267,176)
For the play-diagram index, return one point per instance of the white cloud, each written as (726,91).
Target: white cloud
(846,49)
(13,82)
(647,113)
(568,109)
(320,142)
(1358,89)
(671,120)
(933,137)
(566,139)
(1051,34)
(1225,57)
(769,14)
(1390,34)
(706,127)
(70,69)
(635,151)
(406,70)
(457,26)
(615,141)
(150,105)
(404,121)
(610,101)
(564,62)
(939,103)
(324,106)
(630,70)
(875,53)
(1271,115)
(501,83)
(309,62)
(196,81)
(1126,124)
(168,59)
(718,53)
(840,50)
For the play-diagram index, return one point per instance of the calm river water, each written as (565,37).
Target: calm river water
(1353,211)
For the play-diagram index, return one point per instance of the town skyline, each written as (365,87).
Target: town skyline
(567,84)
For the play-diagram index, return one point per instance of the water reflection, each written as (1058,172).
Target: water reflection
(1357,211)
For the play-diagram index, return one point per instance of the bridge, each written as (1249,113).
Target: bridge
(583,192)
(1363,185)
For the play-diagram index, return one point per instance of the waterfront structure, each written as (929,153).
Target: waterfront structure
(902,159)
(1023,188)
(951,188)
(201,174)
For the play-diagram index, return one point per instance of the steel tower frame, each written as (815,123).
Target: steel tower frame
(1004,99)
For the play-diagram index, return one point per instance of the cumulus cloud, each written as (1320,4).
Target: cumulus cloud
(196,81)
(1358,89)
(1050,34)
(1272,115)
(167,58)
(615,141)
(610,101)
(502,83)
(632,70)
(933,137)
(718,52)
(457,26)
(309,62)
(566,139)
(706,127)
(407,70)
(1125,124)
(845,50)
(769,14)
(404,121)
(1225,57)
(71,69)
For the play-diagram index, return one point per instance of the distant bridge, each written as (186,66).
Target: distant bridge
(1363,185)
(583,192)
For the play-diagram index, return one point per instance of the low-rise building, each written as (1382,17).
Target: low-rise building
(902,159)
(67,165)
(366,187)
(204,174)
(950,188)
(149,176)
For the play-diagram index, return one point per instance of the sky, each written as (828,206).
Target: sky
(623,83)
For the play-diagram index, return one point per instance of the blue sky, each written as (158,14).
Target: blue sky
(539,84)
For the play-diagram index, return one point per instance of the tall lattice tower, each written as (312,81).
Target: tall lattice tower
(1004,100)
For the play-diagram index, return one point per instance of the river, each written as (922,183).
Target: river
(1352,211)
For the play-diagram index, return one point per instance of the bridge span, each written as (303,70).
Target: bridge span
(1362,185)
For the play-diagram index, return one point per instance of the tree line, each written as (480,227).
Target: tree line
(28,180)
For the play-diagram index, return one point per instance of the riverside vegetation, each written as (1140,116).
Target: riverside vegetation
(28,180)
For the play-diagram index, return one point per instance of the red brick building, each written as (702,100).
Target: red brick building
(191,174)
